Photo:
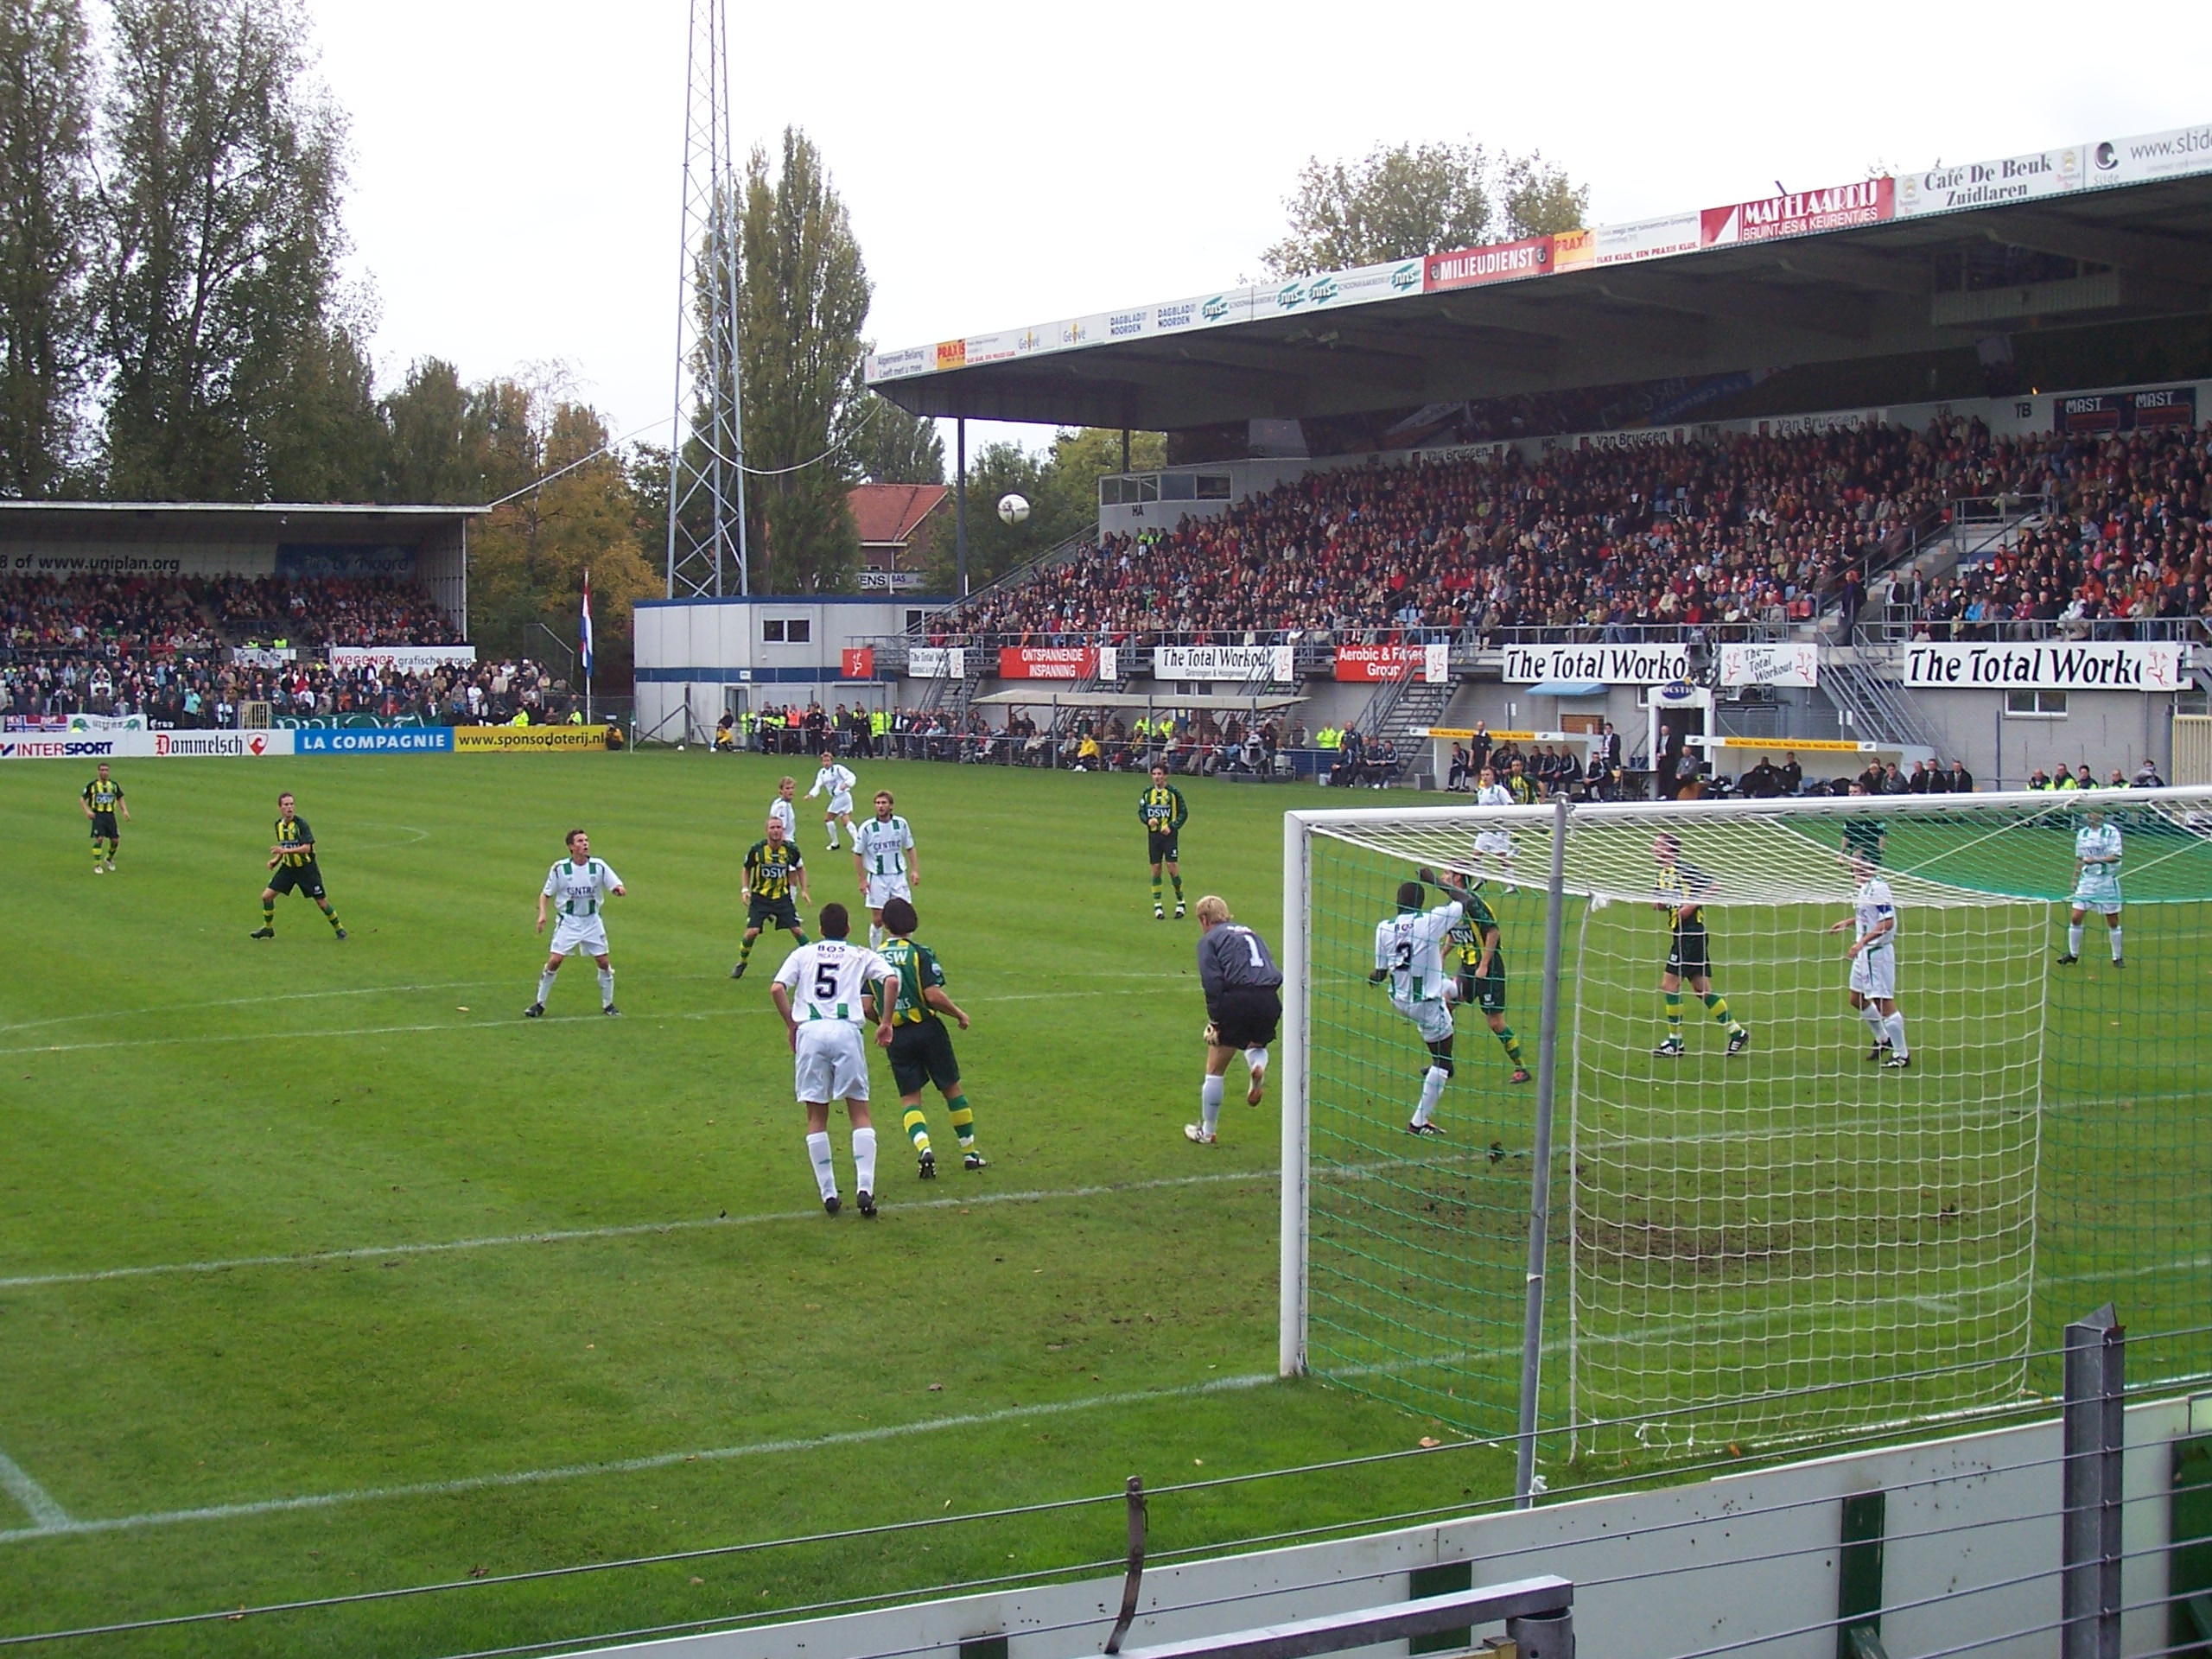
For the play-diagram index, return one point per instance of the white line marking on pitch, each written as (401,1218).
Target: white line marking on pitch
(633,1466)
(634,1229)
(46,1514)
(247,1002)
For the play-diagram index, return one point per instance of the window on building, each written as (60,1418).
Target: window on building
(1213,486)
(797,630)
(772,630)
(2045,705)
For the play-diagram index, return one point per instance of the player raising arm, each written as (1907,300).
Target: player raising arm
(839,781)
(579,886)
(2097,850)
(1873,958)
(103,799)
(883,853)
(1163,812)
(1477,957)
(921,1048)
(819,993)
(293,859)
(1243,991)
(1681,891)
(1409,960)
(770,866)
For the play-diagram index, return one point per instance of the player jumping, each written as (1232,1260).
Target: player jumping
(1409,957)
(293,859)
(839,781)
(2097,851)
(883,853)
(103,799)
(1163,812)
(1682,889)
(770,866)
(1478,955)
(1874,959)
(921,1048)
(1243,992)
(582,884)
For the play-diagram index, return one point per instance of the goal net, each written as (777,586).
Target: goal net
(1761,1228)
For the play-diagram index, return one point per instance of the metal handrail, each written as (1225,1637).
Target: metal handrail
(1545,1596)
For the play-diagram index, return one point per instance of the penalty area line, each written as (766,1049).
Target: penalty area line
(66,1527)
(47,1516)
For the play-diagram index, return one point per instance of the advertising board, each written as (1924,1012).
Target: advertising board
(1800,212)
(528,739)
(1047,662)
(2047,666)
(856,662)
(402,659)
(1501,261)
(1370,663)
(149,746)
(1210,663)
(1608,664)
(937,663)
(1791,663)
(387,739)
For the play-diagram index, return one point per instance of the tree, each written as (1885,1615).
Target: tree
(1400,202)
(527,557)
(802,298)
(1061,487)
(217,283)
(896,448)
(46,235)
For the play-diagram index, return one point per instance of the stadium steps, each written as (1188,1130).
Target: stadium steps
(1398,708)
(1873,707)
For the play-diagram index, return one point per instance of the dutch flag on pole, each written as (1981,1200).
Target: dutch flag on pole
(584,633)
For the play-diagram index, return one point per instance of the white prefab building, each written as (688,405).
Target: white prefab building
(696,658)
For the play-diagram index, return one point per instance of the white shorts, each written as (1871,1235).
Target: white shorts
(2105,900)
(831,1063)
(1874,973)
(881,889)
(839,804)
(580,936)
(1433,1018)
(1494,842)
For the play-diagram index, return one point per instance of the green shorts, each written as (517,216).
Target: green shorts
(921,1054)
(1160,844)
(304,878)
(770,914)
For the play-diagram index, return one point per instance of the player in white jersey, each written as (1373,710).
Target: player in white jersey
(818,992)
(1494,844)
(1873,958)
(1410,959)
(2096,884)
(839,781)
(577,888)
(883,853)
(783,807)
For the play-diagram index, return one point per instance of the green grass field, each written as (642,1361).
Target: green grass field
(322,1272)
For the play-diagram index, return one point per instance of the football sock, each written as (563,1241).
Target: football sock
(826,1173)
(1432,1091)
(1875,1023)
(544,987)
(1178,880)
(1210,1094)
(918,1127)
(2073,940)
(1895,1024)
(1674,1013)
(606,986)
(964,1120)
(1719,1004)
(864,1159)
(2115,943)
(874,937)
(745,946)
(269,913)
(99,854)
(330,916)
(1256,1058)
(1512,1044)
(1155,892)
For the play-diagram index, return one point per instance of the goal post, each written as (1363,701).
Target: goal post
(1760,1240)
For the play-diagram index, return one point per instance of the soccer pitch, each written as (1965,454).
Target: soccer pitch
(323,1272)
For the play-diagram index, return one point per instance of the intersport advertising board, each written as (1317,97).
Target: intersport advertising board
(150,745)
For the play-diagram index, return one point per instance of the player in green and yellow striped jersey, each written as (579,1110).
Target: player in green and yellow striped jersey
(921,1048)
(1163,812)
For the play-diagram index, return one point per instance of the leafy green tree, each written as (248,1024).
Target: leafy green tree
(1061,487)
(896,448)
(218,285)
(1399,202)
(48,234)
(802,298)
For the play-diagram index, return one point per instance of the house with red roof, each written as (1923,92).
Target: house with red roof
(898,523)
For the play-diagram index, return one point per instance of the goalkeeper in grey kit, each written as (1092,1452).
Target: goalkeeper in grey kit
(1244,990)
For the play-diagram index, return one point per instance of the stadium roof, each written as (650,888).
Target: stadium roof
(220,520)
(2100,231)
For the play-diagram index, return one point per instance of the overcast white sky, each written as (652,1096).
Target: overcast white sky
(515,162)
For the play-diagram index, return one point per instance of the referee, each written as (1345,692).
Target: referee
(1244,989)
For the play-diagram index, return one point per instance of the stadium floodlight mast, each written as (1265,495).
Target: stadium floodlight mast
(706,463)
